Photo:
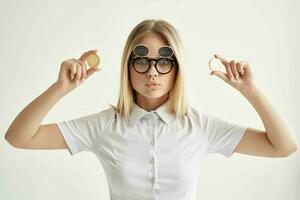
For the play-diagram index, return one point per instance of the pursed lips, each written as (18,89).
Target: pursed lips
(149,84)
(152,84)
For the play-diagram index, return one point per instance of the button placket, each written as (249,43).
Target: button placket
(153,159)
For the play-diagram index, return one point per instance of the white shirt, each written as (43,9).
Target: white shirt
(151,158)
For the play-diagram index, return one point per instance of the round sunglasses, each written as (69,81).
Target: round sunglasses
(163,64)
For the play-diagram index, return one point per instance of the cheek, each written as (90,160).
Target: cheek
(170,79)
(136,79)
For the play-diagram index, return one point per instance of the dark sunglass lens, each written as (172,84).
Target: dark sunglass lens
(165,51)
(141,50)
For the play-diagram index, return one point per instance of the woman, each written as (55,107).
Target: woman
(152,143)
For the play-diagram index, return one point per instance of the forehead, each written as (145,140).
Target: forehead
(153,38)
(154,41)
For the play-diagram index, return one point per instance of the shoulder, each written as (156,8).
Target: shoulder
(101,118)
(206,119)
(197,114)
(107,114)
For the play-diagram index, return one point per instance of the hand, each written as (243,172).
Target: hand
(73,72)
(239,74)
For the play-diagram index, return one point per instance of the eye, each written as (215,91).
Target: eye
(141,61)
(164,62)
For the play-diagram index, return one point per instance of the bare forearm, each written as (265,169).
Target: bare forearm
(29,119)
(277,129)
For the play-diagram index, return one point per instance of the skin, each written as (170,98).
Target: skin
(276,140)
(26,131)
(151,98)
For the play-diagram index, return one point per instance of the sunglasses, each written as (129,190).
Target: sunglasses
(141,63)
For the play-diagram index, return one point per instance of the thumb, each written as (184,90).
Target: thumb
(220,74)
(91,71)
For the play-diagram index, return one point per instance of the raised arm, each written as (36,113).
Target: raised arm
(277,139)
(28,121)
(26,130)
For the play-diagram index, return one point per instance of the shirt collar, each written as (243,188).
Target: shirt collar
(162,111)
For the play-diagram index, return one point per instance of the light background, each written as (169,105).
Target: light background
(36,36)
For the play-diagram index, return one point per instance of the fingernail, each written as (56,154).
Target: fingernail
(77,83)
(98,69)
(237,77)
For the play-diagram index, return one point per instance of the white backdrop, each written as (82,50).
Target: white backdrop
(36,36)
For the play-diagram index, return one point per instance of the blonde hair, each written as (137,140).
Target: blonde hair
(177,98)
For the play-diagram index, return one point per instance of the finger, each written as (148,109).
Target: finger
(73,70)
(240,68)
(78,74)
(84,56)
(83,76)
(245,65)
(233,69)
(229,72)
(73,67)
(83,69)
(91,70)
(221,75)
(226,63)
(222,59)
(77,61)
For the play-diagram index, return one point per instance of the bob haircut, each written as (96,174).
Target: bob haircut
(177,103)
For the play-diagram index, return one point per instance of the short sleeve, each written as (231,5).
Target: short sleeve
(80,134)
(222,136)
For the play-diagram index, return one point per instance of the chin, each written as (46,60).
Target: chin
(154,94)
(151,94)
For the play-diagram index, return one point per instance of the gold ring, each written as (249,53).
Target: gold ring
(210,64)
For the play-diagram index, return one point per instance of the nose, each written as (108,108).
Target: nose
(152,71)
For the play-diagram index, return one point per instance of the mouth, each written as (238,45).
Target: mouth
(152,85)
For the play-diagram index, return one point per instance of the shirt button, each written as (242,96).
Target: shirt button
(152,160)
(152,179)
